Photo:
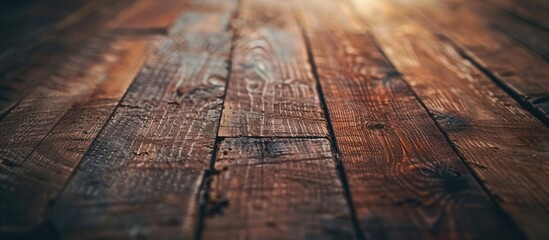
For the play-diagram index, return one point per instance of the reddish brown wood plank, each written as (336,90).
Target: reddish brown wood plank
(276,189)
(44,138)
(140,176)
(525,74)
(504,145)
(149,16)
(272,91)
(405,180)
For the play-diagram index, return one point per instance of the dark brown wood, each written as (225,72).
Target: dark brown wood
(532,37)
(504,145)
(141,175)
(405,180)
(272,91)
(283,188)
(148,16)
(43,138)
(114,122)
(532,10)
(22,21)
(29,60)
(525,74)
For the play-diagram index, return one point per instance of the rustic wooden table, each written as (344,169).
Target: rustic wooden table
(274,119)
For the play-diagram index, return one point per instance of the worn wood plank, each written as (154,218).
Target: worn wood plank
(504,145)
(283,188)
(405,180)
(140,176)
(272,91)
(28,61)
(525,74)
(148,16)
(44,138)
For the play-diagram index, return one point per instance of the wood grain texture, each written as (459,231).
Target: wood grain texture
(28,61)
(276,189)
(405,180)
(525,74)
(44,138)
(272,90)
(504,145)
(148,16)
(141,174)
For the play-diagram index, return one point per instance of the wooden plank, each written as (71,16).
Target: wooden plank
(272,91)
(148,16)
(284,188)
(525,74)
(405,179)
(28,61)
(140,176)
(521,31)
(44,138)
(504,145)
(533,11)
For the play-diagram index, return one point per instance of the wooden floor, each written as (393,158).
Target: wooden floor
(274,119)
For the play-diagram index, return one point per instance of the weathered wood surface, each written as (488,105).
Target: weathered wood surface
(141,174)
(405,179)
(148,16)
(272,91)
(524,73)
(290,119)
(43,138)
(282,188)
(30,59)
(504,145)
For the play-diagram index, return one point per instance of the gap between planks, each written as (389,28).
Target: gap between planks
(206,207)
(365,69)
(510,162)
